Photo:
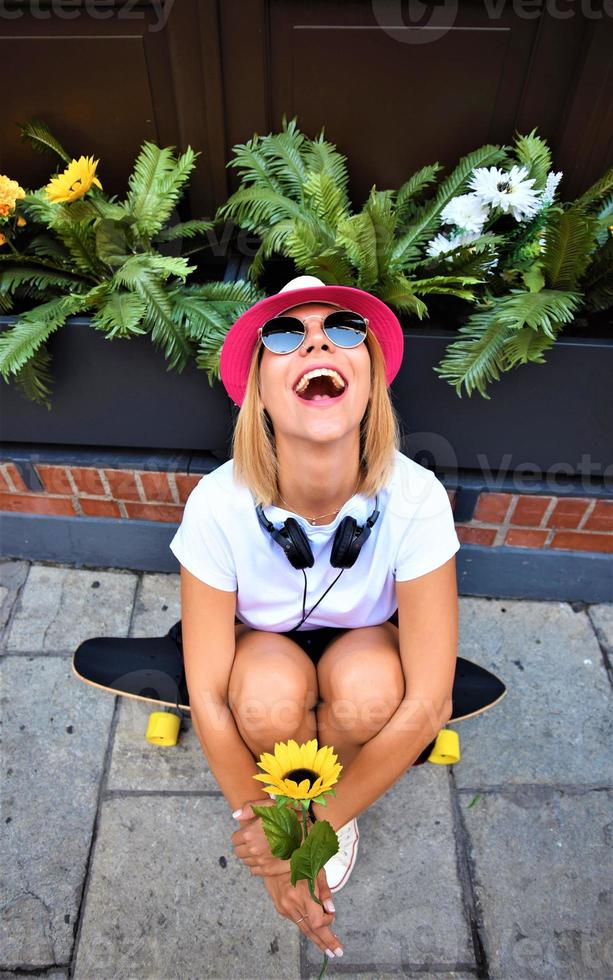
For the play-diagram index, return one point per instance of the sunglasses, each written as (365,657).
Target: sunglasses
(285,334)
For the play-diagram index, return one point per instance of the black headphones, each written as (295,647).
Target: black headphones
(347,544)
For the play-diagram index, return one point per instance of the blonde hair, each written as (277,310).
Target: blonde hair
(253,440)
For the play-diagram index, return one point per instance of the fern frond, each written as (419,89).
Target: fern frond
(332,267)
(252,166)
(120,315)
(477,359)
(257,207)
(184,229)
(47,247)
(412,188)
(282,153)
(37,207)
(12,279)
(324,199)
(322,157)
(155,185)
(147,264)
(446,285)
(171,190)
(602,188)
(398,292)
(526,345)
(38,135)
(79,239)
(570,237)
(598,283)
(165,331)
(34,379)
(19,342)
(545,310)
(534,154)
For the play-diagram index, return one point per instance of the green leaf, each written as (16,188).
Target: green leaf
(113,241)
(534,154)
(533,278)
(19,343)
(120,315)
(34,378)
(156,184)
(474,800)
(282,829)
(569,241)
(184,229)
(38,135)
(594,194)
(320,845)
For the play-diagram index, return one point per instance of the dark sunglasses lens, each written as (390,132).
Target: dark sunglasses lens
(345,329)
(283,334)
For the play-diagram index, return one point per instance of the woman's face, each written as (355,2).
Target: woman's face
(324,420)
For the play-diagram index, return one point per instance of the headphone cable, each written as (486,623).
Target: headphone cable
(318,601)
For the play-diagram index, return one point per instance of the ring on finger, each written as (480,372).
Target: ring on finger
(301,918)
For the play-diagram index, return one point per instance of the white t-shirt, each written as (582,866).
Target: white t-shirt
(221,541)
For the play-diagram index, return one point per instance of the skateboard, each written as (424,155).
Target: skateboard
(151,669)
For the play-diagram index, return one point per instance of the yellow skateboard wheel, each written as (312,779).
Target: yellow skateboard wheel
(163,728)
(446,749)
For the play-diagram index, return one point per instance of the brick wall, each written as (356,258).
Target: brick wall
(518,520)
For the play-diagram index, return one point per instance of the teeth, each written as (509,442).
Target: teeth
(318,373)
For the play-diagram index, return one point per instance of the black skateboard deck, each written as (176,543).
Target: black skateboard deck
(151,669)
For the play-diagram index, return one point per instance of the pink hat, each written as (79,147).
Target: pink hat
(240,340)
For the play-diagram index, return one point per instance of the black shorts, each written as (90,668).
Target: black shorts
(314,642)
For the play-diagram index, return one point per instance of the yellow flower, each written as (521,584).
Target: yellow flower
(300,772)
(2,239)
(74,182)
(10,192)
(21,222)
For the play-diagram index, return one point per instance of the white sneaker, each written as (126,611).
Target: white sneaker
(340,865)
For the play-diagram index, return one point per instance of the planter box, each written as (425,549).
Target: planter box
(552,418)
(118,393)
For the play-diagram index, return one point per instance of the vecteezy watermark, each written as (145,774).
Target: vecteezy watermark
(416,22)
(69,10)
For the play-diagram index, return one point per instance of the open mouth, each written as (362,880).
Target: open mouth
(320,390)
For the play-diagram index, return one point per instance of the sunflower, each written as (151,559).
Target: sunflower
(300,772)
(74,182)
(10,193)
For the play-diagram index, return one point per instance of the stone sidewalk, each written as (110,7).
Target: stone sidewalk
(117,860)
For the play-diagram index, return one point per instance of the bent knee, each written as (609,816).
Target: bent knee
(267,669)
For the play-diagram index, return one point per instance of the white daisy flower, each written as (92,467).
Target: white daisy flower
(442,244)
(466,211)
(488,184)
(438,245)
(511,190)
(549,190)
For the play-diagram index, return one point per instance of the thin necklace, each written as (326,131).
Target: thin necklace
(312,520)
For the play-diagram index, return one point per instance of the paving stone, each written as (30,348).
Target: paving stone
(55,738)
(137,764)
(554,725)
(168,899)
(402,907)
(60,607)
(158,604)
(13,574)
(542,865)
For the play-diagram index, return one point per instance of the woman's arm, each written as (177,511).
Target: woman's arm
(207,617)
(428,626)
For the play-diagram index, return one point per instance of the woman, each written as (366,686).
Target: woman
(316,483)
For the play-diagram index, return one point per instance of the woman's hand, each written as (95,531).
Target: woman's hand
(251,844)
(293,902)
